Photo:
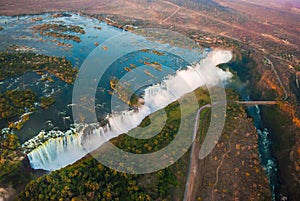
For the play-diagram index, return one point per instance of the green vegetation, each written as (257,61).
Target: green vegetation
(89,180)
(13,103)
(158,53)
(46,101)
(154,65)
(11,157)
(6,109)
(9,161)
(123,91)
(21,98)
(63,36)
(97,27)
(1,28)
(59,28)
(13,64)
(36,19)
(57,31)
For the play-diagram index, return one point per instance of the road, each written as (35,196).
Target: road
(174,13)
(193,166)
(220,165)
(249,103)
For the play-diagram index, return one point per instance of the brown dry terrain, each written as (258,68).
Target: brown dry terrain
(253,24)
(290,5)
(232,170)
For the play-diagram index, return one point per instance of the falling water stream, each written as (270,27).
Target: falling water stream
(61,151)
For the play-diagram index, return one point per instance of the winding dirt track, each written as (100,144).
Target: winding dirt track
(174,13)
(219,166)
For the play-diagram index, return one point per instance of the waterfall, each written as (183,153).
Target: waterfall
(60,151)
(48,156)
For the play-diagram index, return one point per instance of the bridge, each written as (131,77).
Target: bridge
(250,103)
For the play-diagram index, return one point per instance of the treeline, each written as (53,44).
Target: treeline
(13,102)
(89,180)
(11,166)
